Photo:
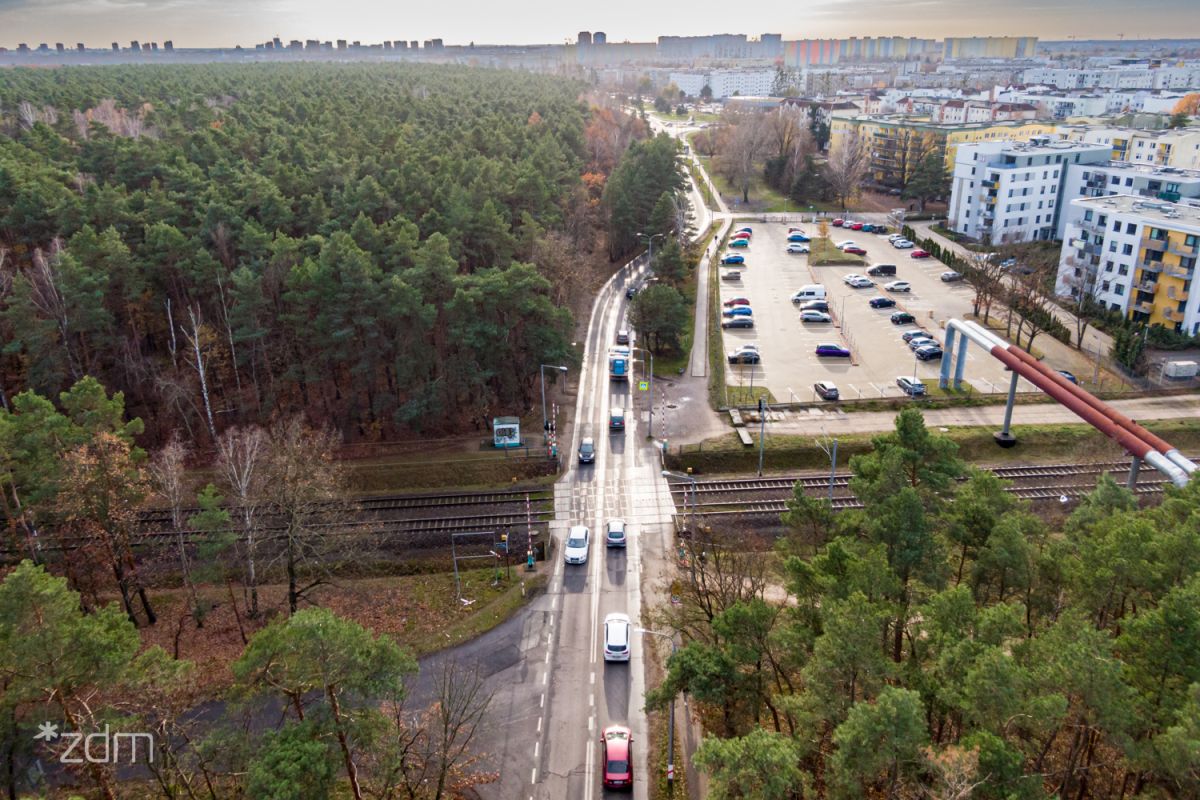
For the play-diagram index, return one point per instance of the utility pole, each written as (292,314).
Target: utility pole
(762,431)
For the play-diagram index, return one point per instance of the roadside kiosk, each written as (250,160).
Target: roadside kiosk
(506,431)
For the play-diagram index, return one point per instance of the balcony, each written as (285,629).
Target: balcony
(1177,294)
(1181,250)
(1144,308)
(1153,267)
(988,184)
(1170,197)
(1154,245)
(1177,272)
(1172,314)
(1147,286)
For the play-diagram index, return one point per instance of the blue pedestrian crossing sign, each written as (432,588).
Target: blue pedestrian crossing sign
(643,386)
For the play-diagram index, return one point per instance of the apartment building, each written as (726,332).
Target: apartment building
(897,144)
(1121,177)
(990,47)
(1134,255)
(1178,148)
(1012,191)
(726,82)
(1141,76)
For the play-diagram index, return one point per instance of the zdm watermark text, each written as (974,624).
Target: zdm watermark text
(101,747)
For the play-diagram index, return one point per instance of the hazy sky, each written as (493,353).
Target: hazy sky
(207,23)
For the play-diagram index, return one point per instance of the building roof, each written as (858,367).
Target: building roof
(1151,171)
(1158,212)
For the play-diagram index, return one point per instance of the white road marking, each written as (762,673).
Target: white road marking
(539,730)
(537,748)
(543,703)
(534,779)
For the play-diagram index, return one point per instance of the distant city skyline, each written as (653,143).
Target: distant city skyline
(226,23)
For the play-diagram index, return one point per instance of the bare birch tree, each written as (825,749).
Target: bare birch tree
(168,474)
(743,142)
(200,364)
(240,462)
(847,167)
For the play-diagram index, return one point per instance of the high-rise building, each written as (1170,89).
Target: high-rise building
(1005,192)
(169,46)
(116,47)
(1134,255)
(584,37)
(989,47)
(60,47)
(278,44)
(79,48)
(341,44)
(599,37)
(135,46)
(23,48)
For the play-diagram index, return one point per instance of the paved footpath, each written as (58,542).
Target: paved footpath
(819,420)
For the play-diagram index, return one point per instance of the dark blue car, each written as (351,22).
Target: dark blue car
(829,350)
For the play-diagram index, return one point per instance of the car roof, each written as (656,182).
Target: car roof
(829,344)
(826,384)
(616,616)
(577,529)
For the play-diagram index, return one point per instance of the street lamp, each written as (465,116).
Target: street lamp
(671,724)
(542,378)
(650,241)
(649,387)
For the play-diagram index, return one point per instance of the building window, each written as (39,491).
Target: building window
(1117,225)
(1119,289)
(1108,266)
(1123,269)
(1112,247)
(1104,286)
(1130,228)
(1115,181)
(1127,250)
(1129,181)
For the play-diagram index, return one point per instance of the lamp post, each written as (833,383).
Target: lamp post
(542,378)
(671,722)
(650,241)
(650,387)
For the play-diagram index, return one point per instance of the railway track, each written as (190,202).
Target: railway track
(763,497)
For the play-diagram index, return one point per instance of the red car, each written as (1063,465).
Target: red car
(618,758)
(854,250)
(918,254)
(837,223)
(857,226)
(737,301)
(740,236)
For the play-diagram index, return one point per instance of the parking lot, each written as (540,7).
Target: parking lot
(790,367)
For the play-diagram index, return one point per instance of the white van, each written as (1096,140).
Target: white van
(813,291)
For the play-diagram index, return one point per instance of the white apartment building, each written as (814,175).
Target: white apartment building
(1121,177)
(726,82)
(1178,148)
(1141,76)
(1134,255)
(1011,191)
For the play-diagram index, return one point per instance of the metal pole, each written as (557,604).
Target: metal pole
(671,737)
(1134,469)
(762,432)
(545,426)
(1008,408)
(650,386)
(832,470)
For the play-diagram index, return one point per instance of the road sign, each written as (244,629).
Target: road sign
(643,386)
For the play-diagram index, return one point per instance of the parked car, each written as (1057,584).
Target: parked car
(623,336)
(918,254)
(738,322)
(736,301)
(881,269)
(575,551)
(896,236)
(949,276)
(617,755)
(734,258)
(738,311)
(740,243)
(794,229)
(831,350)
(797,248)
(844,244)
(815,305)
(745,229)
(797,237)
(908,336)
(881,228)
(902,318)
(859,281)
(826,390)
(854,250)
(815,316)
(614,534)
(739,236)
(867,228)
(928,352)
(898,286)
(617,632)
(837,223)
(918,342)
(902,244)
(910,386)
(731,275)
(881,302)
(746,354)
(856,226)
(1068,376)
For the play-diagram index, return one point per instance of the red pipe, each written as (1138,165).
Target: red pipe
(1127,439)
(1104,408)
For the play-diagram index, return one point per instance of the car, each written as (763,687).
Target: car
(746,354)
(845,244)
(815,305)
(949,276)
(745,229)
(795,249)
(868,227)
(815,316)
(856,226)
(616,419)
(881,269)
(919,254)
(910,386)
(826,390)
(898,286)
(1068,376)
(881,302)
(797,237)
(731,275)
(831,350)
(902,318)
(734,258)
(902,244)
(928,352)
(587,450)
(1008,263)
(896,236)
(631,292)
(837,223)
(623,336)
(738,322)
(737,301)
(881,228)
(854,250)
(617,755)
(614,533)
(908,336)
(617,631)
(918,342)
(794,229)
(575,551)
(738,311)
(739,243)
(858,281)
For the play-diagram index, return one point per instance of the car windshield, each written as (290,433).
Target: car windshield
(618,767)
(585,448)
(576,542)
